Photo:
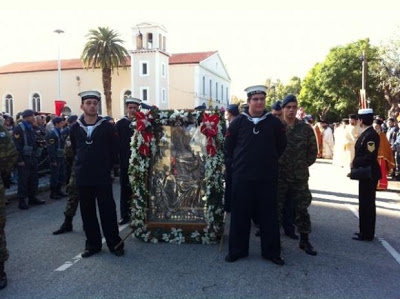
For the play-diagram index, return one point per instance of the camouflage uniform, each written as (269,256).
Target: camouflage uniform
(8,156)
(300,153)
(73,196)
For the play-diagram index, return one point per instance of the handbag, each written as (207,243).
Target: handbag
(361,173)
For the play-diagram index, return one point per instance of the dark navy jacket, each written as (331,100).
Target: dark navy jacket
(24,128)
(366,152)
(94,156)
(254,156)
(125,133)
(54,142)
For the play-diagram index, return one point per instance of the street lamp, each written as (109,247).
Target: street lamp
(59,31)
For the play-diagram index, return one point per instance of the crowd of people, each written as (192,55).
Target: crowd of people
(263,151)
(82,153)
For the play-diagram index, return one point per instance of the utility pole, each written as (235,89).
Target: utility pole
(58,31)
(363,94)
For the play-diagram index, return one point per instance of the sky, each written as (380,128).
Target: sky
(256,39)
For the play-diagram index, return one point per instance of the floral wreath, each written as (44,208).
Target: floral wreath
(147,130)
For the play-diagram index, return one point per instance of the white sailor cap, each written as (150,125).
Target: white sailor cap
(365,111)
(256,89)
(131,100)
(90,94)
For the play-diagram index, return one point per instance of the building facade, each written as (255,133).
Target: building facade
(177,81)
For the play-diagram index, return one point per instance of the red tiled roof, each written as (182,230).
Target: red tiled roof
(189,57)
(40,66)
(71,64)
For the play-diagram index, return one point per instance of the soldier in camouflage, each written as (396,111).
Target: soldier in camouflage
(8,156)
(73,196)
(300,153)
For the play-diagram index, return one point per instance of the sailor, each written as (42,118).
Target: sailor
(94,144)
(254,142)
(125,132)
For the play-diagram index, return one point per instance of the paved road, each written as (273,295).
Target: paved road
(45,266)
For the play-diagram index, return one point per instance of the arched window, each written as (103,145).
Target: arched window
(9,104)
(149,40)
(36,102)
(127,94)
(139,41)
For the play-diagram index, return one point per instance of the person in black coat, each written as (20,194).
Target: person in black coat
(124,129)
(231,112)
(55,150)
(27,162)
(366,152)
(94,144)
(254,142)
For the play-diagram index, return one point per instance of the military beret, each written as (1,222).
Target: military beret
(131,100)
(27,112)
(90,94)
(57,120)
(145,106)
(72,118)
(256,89)
(289,98)
(276,105)
(201,107)
(233,109)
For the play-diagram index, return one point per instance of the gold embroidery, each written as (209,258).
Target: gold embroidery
(371,146)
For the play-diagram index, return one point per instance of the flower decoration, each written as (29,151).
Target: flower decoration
(147,134)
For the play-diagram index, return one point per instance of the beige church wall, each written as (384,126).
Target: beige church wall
(23,85)
(181,86)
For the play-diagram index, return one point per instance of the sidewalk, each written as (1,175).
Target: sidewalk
(44,185)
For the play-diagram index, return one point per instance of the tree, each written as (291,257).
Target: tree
(277,90)
(104,50)
(331,88)
(389,74)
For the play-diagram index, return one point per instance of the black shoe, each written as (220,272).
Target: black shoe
(119,252)
(3,280)
(231,259)
(23,206)
(307,247)
(276,260)
(88,253)
(362,238)
(123,221)
(64,228)
(292,235)
(35,201)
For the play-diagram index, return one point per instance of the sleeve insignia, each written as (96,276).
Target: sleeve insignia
(16,136)
(51,141)
(371,146)
(2,134)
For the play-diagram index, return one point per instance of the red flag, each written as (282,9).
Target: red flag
(59,106)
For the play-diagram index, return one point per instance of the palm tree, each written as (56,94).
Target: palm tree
(104,50)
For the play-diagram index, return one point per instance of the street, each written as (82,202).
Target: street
(42,265)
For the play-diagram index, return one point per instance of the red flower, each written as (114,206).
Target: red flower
(210,149)
(209,124)
(147,136)
(144,149)
(141,120)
